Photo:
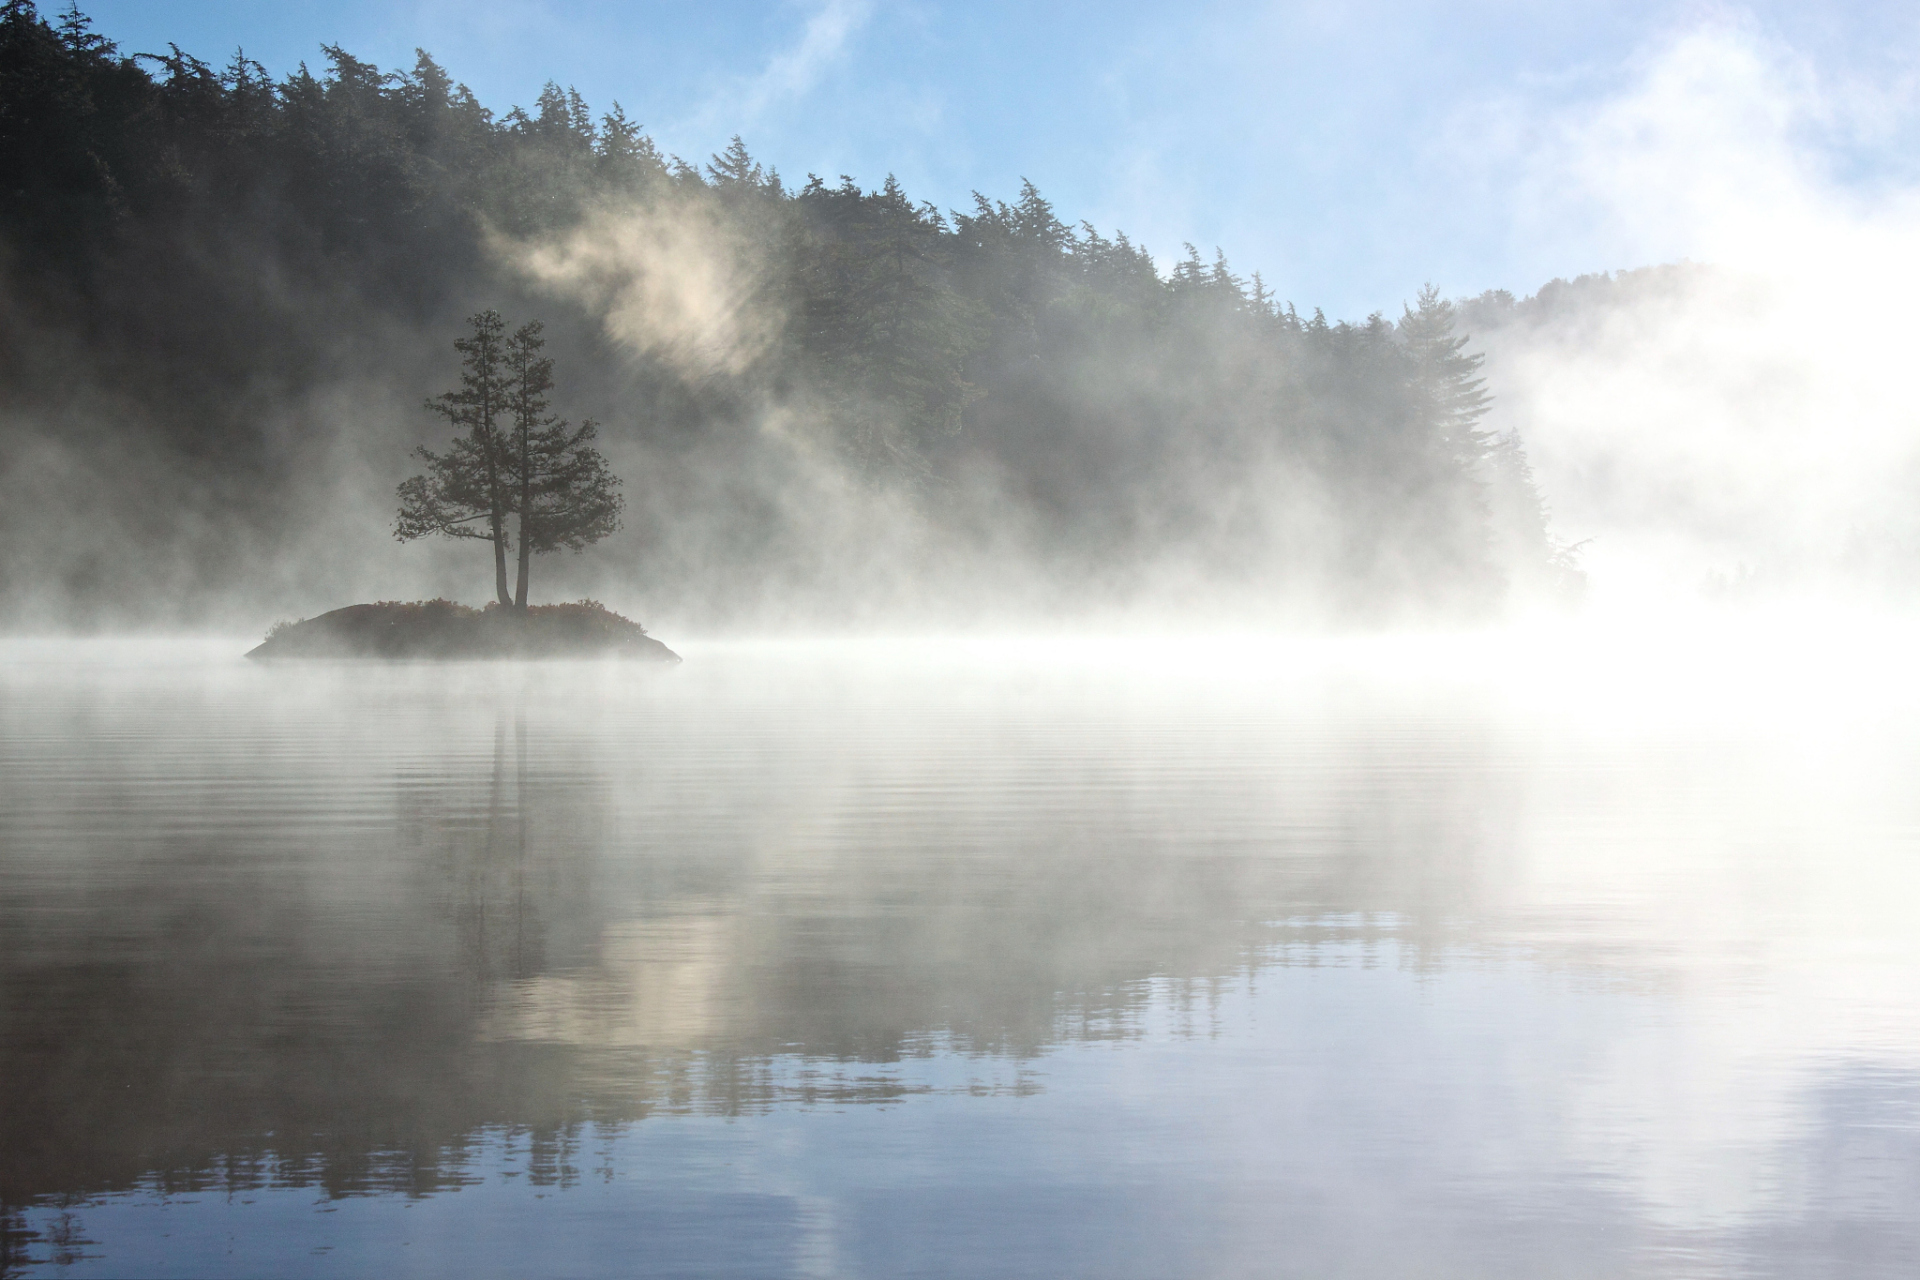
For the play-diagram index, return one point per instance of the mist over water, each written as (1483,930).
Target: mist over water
(1410,957)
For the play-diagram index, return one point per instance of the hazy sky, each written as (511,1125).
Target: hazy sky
(1349,152)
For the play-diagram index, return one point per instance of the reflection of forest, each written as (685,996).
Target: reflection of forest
(576,933)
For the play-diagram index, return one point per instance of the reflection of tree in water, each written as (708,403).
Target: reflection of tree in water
(477,849)
(60,1242)
(543,939)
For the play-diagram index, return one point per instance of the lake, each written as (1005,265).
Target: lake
(1529,955)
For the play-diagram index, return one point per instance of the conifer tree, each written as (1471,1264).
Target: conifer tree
(734,171)
(561,489)
(466,492)
(1449,400)
(881,315)
(1446,382)
(538,468)
(627,157)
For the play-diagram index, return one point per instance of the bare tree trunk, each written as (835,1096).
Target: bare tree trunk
(526,553)
(526,500)
(497,498)
(500,562)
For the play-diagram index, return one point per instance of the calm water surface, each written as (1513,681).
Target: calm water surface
(1391,958)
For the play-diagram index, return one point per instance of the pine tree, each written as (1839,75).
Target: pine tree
(1034,220)
(77,33)
(1537,563)
(881,317)
(466,492)
(1448,389)
(627,156)
(561,488)
(734,170)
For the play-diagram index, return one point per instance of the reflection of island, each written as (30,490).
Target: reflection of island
(345,987)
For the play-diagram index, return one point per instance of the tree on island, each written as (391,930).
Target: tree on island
(539,469)
(562,491)
(463,492)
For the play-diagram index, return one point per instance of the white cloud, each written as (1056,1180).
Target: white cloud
(788,76)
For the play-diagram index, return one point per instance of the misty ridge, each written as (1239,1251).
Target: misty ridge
(225,299)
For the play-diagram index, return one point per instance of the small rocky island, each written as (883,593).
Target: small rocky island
(533,467)
(509,461)
(442,629)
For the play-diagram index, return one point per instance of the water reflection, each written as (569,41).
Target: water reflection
(1423,979)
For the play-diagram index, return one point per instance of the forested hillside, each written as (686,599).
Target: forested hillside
(224,298)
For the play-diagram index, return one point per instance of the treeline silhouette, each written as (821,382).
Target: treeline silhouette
(1009,407)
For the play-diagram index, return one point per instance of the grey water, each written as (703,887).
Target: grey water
(1456,957)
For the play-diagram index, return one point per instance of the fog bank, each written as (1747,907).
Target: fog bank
(1739,426)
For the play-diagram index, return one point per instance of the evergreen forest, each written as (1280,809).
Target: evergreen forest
(225,297)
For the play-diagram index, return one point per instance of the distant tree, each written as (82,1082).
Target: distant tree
(880,317)
(467,492)
(1537,563)
(561,488)
(627,158)
(1448,400)
(734,170)
(77,33)
(1447,385)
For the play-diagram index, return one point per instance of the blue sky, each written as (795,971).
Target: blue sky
(1349,152)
